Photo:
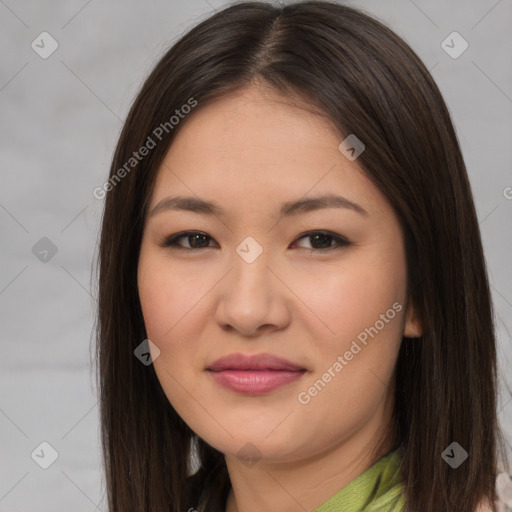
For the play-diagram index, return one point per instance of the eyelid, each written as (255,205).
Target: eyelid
(170,242)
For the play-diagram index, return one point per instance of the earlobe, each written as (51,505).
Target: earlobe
(413,327)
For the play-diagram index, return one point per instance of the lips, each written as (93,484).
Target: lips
(253,362)
(255,374)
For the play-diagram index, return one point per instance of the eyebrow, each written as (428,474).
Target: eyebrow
(198,205)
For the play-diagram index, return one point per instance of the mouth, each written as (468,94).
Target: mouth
(254,374)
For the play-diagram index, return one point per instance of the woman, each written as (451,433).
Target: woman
(356,372)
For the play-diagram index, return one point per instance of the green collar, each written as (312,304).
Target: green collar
(378,489)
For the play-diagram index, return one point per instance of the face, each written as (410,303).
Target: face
(322,285)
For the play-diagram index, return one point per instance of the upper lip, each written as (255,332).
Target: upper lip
(253,362)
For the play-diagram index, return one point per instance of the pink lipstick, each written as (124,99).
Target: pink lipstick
(254,374)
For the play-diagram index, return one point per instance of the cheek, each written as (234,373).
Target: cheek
(171,307)
(353,297)
(169,299)
(353,360)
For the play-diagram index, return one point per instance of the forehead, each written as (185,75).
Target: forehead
(247,121)
(256,146)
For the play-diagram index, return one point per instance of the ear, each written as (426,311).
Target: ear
(412,327)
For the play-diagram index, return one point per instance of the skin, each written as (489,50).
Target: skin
(251,151)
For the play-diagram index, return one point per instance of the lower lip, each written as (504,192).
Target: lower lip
(255,381)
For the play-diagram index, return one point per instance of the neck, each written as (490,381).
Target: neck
(305,484)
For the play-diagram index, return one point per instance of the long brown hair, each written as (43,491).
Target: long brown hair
(368,82)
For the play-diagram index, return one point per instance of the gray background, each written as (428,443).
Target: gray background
(61,117)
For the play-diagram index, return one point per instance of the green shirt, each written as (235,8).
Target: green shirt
(378,489)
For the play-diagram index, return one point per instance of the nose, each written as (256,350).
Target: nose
(253,299)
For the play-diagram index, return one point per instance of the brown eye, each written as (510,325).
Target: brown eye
(324,241)
(194,239)
(320,241)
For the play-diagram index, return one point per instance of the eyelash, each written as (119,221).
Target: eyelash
(171,241)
